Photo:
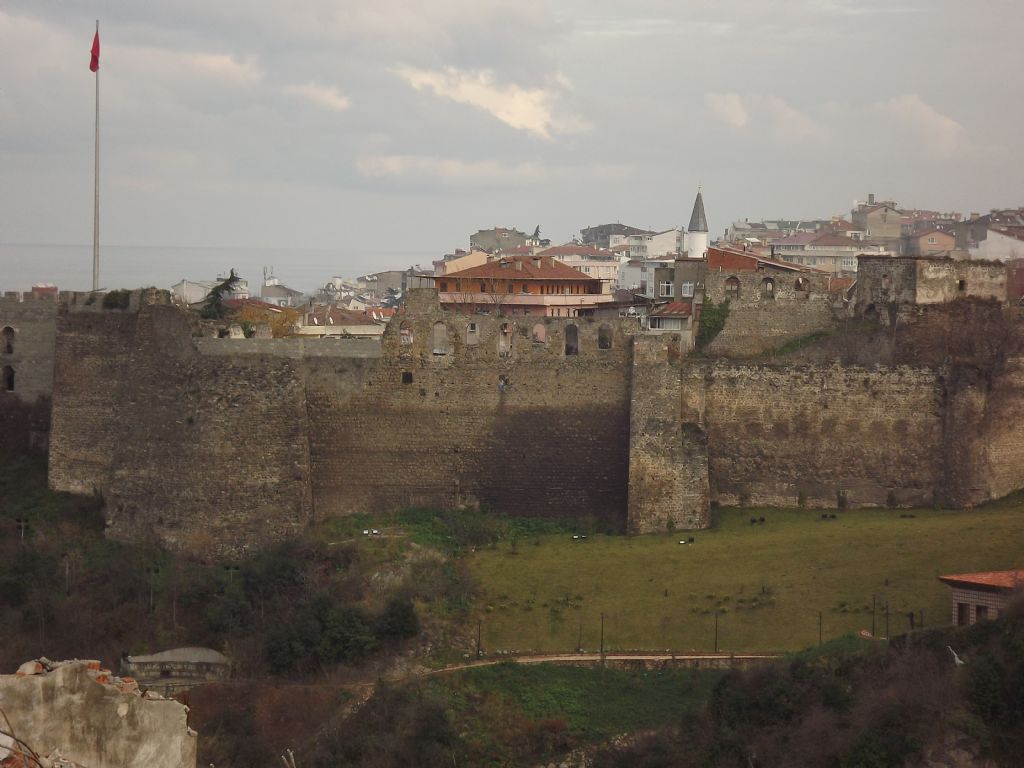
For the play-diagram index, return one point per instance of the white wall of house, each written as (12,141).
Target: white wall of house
(998,247)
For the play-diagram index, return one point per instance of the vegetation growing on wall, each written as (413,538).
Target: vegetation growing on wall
(118,299)
(712,320)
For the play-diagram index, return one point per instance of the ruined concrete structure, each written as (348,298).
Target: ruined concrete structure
(211,445)
(79,712)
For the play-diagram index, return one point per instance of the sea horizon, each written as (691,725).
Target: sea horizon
(69,265)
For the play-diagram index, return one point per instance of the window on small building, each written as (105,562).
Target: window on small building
(604,337)
(540,334)
(801,284)
(665,324)
(7,340)
(961,285)
(686,290)
(732,287)
(472,335)
(572,340)
(963,614)
(931,240)
(980,612)
(665,289)
(443,287)
(768,288)
(439,339)
(8,378)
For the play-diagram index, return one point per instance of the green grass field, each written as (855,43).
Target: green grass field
(767,583)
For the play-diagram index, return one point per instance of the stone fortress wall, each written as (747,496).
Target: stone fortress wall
(767,309)
(218,445)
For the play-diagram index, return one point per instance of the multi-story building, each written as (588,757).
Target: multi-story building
(651,245)
(600,236)
(498,238)
(523,285)
(928,242)
(830,253)
(593,262)
(882,222)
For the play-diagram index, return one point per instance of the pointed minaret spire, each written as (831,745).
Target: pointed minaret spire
(698,221)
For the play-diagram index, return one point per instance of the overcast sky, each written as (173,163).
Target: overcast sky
(399,126)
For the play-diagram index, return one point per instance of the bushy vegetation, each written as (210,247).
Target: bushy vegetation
(117,299)
(300,607)
(858,707)
(507,715)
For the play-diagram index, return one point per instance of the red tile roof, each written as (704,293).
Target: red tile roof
(675,309)
(1007,580)
(337,316)
(256,303)
(533,268)
(828,239)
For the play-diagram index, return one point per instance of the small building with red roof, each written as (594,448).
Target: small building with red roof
(982,595)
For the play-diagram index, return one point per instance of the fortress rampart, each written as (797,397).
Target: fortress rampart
(218,445)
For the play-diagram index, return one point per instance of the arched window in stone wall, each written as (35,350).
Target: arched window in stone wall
(732,287)
(572,340)
(8,379)
(405,335)
(7,340)
(802,284)
(768,288)
(505,340)
(472,334)
(604,337)
(439,339)
(540,334)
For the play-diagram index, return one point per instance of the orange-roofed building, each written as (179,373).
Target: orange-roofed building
(983,595)
(523,285)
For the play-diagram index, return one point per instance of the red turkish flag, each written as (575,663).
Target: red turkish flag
(94,63)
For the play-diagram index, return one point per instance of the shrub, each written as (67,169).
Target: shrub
(117,299)
(712,321)
(399,620)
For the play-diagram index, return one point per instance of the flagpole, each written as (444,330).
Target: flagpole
(96,190)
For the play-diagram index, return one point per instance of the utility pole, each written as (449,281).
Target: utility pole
(479,634)
(819,627)
(716,631)
(887,621)
(873,602)
(602,638)
(579,639)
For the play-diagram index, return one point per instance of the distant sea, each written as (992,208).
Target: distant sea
(129,266)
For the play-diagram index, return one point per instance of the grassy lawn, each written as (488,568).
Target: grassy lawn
(767,582)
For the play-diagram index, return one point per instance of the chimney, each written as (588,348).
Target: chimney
(871,198)
(519,265)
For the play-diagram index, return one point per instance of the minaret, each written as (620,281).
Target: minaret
(697,232)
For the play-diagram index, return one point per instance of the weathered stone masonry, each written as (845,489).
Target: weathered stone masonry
(214,445)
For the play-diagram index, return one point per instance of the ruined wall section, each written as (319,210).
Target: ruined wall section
(874,435)
(668,457)
(33,327)
(203,453)
(26,352)
(499,417)
(761,320)
(92,352)
(1002,433)
(985,451)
